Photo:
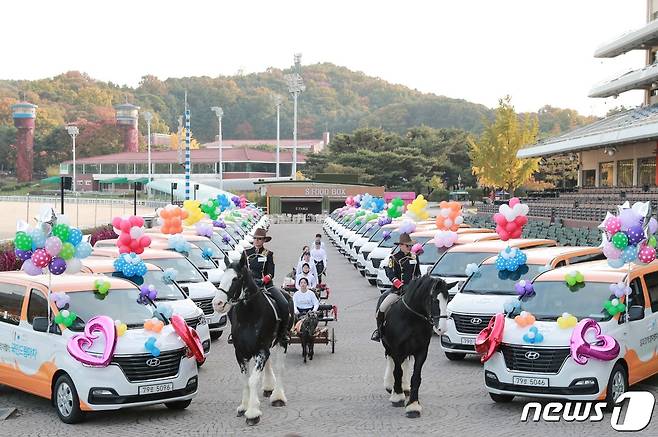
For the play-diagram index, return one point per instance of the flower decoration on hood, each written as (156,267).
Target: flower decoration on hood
(533,336)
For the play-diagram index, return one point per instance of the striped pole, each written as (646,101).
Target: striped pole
(188,164)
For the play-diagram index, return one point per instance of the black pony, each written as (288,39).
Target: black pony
(307,333)
(406,334)
(257,324)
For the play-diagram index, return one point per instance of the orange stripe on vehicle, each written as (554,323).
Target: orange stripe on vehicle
(38,383)
(638,369)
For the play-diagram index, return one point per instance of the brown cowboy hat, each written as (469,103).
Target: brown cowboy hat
(262,233)
(405,239)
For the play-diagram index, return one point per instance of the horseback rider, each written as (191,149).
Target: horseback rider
(261,264)
(402,268)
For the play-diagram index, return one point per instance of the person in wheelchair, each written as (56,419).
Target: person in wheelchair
(304,299)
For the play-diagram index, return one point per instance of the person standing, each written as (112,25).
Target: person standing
(319,257)
(401,270)
(318,239)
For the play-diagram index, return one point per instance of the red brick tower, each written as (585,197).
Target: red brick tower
(126,117)
(24,114)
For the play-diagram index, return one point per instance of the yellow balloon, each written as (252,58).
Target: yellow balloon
(194,214)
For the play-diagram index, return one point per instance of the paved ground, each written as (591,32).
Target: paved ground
(339,394)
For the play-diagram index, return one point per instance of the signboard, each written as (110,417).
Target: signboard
(63,169)
(317,190)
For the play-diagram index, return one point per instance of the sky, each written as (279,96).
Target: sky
(538,51)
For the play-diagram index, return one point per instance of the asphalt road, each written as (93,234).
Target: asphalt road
(335,394)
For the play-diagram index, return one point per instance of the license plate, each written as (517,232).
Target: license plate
(468,340)
(156,388)
(534,382)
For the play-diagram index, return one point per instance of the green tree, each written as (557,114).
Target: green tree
(493,155)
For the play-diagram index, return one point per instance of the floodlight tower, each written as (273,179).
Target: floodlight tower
(219,112)
(277,102)
(295,87)
(127,118)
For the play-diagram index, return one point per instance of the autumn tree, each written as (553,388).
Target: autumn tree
(493,154)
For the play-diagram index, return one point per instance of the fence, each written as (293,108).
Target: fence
(297,218)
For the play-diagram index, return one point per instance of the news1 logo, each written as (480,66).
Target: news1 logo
(638,410)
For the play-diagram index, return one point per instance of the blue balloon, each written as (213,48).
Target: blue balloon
(38,238)
(83,250)
(75,236)
(629,254)
(615,263)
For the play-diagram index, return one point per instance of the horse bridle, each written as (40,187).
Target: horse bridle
(429,319)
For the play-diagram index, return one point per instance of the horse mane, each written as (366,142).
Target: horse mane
(422,285)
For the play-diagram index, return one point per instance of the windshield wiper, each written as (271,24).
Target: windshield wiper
(165,298)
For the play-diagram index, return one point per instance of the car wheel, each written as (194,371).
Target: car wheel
(455,356)
(178,405)
(66,400)
(501,398)
(214,335)
(617,384)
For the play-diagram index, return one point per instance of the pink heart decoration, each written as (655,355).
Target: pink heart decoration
(581,349)
(80,343)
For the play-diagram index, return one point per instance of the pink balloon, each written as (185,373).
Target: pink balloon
(647,254)
(513,201)
(136,221)
(145,241)
(116,222)
(613,225)
(581,349)
(502,233)
(511,227)
(41,258)
(521,220)
(499,219)
(80,343)
(516,233)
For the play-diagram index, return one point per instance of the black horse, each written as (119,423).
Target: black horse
(258,323)
(307,334)
(406,334)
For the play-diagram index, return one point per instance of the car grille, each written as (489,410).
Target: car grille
(365,255)
(376,262)
(470,323)
(136,369)
(193,322)
(205,305)
(545,361)
(351,243)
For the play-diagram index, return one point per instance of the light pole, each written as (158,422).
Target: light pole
(219,112)
(73,131)
(148,117)
(277,102)
(295,87)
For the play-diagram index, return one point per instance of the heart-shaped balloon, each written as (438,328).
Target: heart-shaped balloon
(581,349)
(189,337)
(490,337)
(80,343)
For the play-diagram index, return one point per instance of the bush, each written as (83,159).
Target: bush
(8,260)
(438,195)
(475,193)
(101,233)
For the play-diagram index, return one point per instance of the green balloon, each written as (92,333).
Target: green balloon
(652,241)
(62,231)
(67,252)
(620,240)
(22,241)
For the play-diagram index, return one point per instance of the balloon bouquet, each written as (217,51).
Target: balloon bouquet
(447,223)
(511,218)
(629,236)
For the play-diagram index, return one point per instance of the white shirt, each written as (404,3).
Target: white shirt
(318,255)
(310,277)
(312,245)
(311,265)
(305,300)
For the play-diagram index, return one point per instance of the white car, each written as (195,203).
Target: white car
(359,239)
(35,357)
(188,277)
(486,293)
(547,368)
(169,293)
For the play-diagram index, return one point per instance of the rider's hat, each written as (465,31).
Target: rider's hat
(262,233)
(405,239)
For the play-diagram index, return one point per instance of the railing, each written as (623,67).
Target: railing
(83,200)
(297,218)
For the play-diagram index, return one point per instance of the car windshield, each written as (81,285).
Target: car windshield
(372,231)
(233,233)
(196,256)
(119,304)
(356,224)
(493,281)
(552,298)
(363,228)
(218,239)
(186,270)
(377,237)
(207,244)
(232,241)
(391,240)
(454,263)
(167,290)
(431,253)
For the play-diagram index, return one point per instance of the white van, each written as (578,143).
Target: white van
(547,369)
(169,293)
(34,356)
(486,293)
(189,278)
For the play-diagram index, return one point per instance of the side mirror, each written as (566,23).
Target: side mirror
(40,324)
(636,312)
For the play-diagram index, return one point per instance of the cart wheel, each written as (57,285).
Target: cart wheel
(333,341)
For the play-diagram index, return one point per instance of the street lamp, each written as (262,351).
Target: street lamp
(174,185)
(73,131)
(219,112)
(148,117)
(277,102)
(295,87)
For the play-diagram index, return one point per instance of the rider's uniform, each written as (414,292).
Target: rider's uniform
(261,262)
(400,266)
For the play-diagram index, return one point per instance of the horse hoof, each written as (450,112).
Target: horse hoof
(254,421)
(267,393)
(389,390)
(413,414)
(398,404)
(406,393)
(240,413)
(311,358)
(278,403)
